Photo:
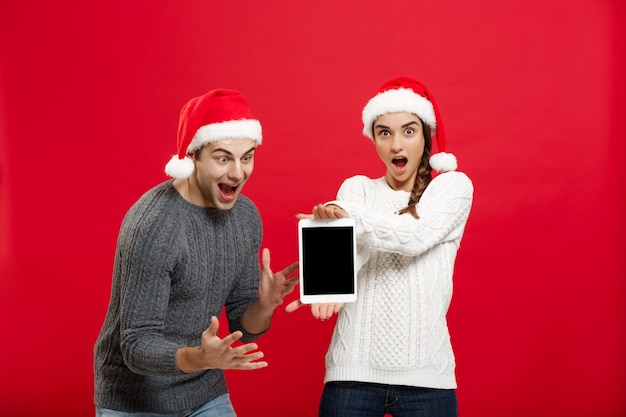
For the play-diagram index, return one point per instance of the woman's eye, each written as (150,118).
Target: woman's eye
(410,131)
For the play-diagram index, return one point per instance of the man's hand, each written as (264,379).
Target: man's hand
(274,287)
(216,353)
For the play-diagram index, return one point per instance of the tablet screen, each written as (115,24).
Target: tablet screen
(327,260)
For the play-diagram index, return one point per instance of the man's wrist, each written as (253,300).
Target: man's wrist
(186,359)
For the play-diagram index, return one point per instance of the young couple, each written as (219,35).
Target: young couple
(189,247)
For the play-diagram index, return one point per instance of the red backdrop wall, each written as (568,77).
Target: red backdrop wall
(532,96)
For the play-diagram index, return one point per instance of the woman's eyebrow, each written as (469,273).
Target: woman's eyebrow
(410,123)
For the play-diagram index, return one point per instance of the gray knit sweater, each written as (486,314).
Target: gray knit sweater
(176,265)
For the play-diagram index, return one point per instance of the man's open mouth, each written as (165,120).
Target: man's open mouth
(228,190)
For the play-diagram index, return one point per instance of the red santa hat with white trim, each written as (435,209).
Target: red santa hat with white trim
(404,94)
(216,115)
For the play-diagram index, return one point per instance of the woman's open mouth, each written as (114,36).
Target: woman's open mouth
(399,163)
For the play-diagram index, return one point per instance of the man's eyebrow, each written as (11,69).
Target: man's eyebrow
(230,153)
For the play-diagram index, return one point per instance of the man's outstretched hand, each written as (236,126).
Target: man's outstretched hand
(218,353)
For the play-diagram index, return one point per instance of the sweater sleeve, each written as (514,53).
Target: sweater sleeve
(144,259)
(443,211)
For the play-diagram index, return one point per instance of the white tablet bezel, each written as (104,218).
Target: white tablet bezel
(326,298)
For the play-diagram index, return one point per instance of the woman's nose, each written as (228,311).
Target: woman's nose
(396,143)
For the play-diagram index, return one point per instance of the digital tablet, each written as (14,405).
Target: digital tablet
(327,254)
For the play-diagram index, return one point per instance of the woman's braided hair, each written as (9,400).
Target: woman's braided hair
(423,177)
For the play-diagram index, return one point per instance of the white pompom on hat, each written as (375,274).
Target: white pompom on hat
(404,94)
(216,115)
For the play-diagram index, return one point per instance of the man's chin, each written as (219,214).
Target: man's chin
(226,204)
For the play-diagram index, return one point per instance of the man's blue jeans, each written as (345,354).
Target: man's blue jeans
(359,399)
(219,407)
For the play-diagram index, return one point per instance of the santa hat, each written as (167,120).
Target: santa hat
(403,94)
(216,115)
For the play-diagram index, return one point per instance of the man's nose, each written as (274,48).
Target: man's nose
(235,171)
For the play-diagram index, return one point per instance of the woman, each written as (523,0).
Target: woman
(390,352)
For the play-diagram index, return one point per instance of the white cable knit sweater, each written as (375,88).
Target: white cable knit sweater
(396,332)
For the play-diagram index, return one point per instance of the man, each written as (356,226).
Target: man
(187,249)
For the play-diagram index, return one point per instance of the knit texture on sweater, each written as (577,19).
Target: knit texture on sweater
(176,265)
(396,333)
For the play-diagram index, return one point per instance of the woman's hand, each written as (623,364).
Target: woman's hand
(321,211)
(321,311)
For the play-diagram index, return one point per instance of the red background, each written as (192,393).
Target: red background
(532,97)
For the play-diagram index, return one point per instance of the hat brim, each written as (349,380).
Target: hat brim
(232,129)
(395,101)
